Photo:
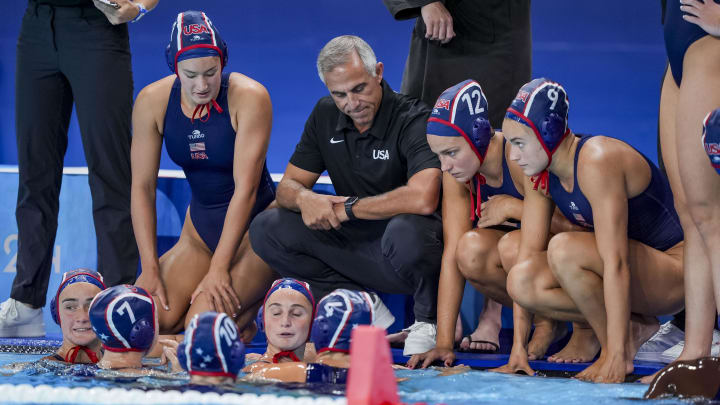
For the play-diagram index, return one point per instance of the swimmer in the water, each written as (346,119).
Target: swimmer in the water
(211,352)
(477,174)
(338,314)
(630,262)
(124,319)
(69,309)
(287,314)
(216,126)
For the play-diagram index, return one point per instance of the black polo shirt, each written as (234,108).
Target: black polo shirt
(379,160)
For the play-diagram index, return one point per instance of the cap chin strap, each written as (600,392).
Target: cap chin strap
(541,179)
(476,206)
(199,109)
(72,354)
(285,353)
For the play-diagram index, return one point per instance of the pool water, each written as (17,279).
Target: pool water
(467,387)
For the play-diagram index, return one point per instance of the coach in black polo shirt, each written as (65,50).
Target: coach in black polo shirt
(381,232)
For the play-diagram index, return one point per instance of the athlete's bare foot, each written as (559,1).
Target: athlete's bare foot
(546,332)
(488,329)
(613,369)
(582,347)
(607,369)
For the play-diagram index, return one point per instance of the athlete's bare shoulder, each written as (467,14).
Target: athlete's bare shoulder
(244,88)
(153,99)
(157,91)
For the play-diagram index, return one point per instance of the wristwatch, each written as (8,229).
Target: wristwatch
(348,207)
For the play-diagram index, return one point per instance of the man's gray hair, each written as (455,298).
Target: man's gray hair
(338,52)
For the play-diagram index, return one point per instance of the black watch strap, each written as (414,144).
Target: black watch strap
(348,207)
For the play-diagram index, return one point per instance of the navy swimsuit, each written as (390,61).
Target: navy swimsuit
(652,219)
(507,187)
(679,35)
(205,151)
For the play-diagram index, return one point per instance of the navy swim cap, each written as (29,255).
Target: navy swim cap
(462,110)
(123,317)
(543,106)
(711,138)
(71,277)
(212,346)
(193,35)
(338,313)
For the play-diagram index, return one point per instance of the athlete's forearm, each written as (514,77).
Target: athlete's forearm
(616,286)
(142,208)
(450,293)
(234,228)
(522,320)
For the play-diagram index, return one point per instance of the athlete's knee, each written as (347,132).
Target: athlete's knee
(410,244)
(565,254)
(508,247)
(472,254)
(521,283)
(705,215)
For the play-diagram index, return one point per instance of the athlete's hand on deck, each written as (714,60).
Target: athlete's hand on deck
(318,212)
(517,364)
(705,15)
(438,21)
(153,284)
(125,11)
(493,211)
(447,356)
(219,292)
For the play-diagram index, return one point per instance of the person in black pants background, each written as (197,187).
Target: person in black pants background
(71,52)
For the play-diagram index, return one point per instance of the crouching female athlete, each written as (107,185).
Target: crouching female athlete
(474,161)
(216,126)
(631,262)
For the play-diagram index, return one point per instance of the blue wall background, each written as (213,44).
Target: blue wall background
(609,55)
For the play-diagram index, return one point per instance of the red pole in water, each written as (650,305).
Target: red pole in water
(371,379)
